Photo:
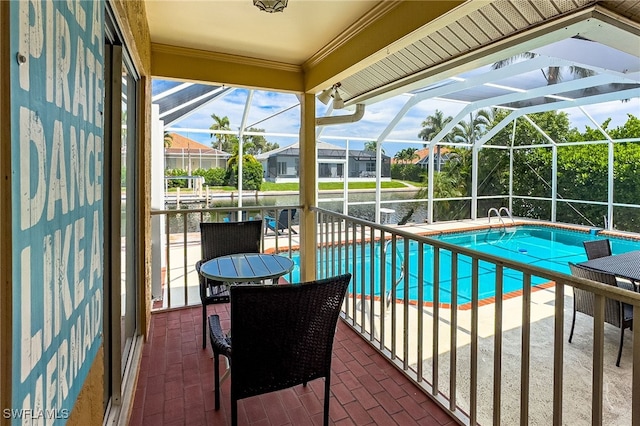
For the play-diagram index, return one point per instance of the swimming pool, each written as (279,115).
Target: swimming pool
(546,247)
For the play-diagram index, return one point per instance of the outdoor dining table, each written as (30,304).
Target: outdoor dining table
(246,267)
(624,265)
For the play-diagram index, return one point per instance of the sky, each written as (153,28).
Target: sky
(284,127)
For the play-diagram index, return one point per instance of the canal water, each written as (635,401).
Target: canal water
(413,211)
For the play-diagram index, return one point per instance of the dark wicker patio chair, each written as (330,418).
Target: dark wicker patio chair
(220,239)
(282,337)
(615,313)
(597,248)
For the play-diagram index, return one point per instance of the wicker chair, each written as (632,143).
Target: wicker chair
(615,313)
(220,239)
(282,337)
(597,248)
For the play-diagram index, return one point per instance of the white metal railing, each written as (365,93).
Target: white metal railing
(176,247)
(505,362)
(492,383)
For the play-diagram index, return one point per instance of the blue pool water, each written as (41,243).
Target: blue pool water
(545,247)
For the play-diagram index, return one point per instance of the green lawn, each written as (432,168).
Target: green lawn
(270,186)
(213,188)
(325,186)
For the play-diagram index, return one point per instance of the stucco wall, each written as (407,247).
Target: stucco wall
(88,409)
(132,19)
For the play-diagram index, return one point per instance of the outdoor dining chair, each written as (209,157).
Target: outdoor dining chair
(284,222)
(282,336)
(616,313)
(221,239)
(597,248)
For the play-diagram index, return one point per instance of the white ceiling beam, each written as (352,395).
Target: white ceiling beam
(520,96)
(542,132)
(551,89)
(394,122)
(534,64)
(171,91)
(221,92)
(587,100)
(615,31)
(554,106)
(190,102)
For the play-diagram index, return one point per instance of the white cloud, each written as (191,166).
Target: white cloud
(615,110)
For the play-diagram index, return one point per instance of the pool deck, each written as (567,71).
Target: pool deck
(577,356)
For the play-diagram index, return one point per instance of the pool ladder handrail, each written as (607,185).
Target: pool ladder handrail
(506,210)
(393,287)
(493,209)
(499,215)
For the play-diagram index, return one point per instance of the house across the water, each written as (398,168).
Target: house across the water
(187,154)
(283,164)
(421,158)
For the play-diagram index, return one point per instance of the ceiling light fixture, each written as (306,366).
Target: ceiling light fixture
(270,6)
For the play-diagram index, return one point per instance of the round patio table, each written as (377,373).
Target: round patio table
(246,267)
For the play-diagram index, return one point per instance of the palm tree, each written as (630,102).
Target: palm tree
(371,146)
(458,169)
(235,155)
(470,131)
(432,125)
(444,186)
(406,155)
(168,139)
(411,154)
(401,156)
(257,144)
(224,141)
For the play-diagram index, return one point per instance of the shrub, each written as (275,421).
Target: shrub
(410,172)
(251,174)
(176,183)
(212,177)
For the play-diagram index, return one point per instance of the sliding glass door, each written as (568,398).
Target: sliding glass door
(128,215)
(122,213)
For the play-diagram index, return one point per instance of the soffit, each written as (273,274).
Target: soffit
(492,33)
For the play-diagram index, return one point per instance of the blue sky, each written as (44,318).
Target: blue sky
(376,117)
